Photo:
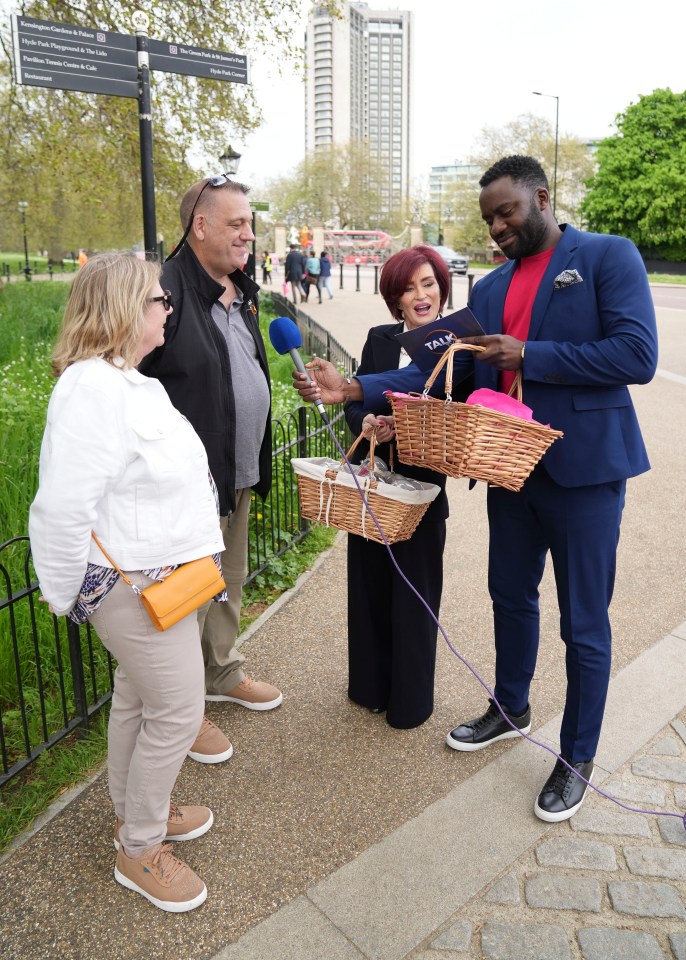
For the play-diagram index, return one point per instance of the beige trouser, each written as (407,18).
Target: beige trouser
(157,709)
(220,622)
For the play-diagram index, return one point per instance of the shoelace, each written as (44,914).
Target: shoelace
(559,780)
(166,863)
(205,727)
(486,719)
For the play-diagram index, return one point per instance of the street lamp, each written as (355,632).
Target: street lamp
(537,93)
(22,210)
(230,160)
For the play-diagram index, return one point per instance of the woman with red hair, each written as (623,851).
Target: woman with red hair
(391,634)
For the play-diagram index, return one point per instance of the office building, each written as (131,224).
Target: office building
(359,81)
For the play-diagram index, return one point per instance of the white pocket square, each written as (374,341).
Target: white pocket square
(567,278)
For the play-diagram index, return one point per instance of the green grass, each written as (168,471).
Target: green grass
(38,265)
(57,770)
(667,278)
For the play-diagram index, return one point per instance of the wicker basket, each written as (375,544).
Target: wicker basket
(330,496)
(467,440)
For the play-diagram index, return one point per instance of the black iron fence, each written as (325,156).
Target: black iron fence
(54,675)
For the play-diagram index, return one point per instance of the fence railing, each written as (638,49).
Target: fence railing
(54,675)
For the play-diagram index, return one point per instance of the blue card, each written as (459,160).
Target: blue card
(426,344)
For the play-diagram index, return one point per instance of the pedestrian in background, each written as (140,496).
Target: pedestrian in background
(325,275)
(313,269)
(266,265)
(294,273)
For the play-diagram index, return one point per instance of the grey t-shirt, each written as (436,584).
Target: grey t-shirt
(250,390)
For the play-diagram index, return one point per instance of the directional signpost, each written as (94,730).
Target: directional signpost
(68,57)
(198,62)
(74,58)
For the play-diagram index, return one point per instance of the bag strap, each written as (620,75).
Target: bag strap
(120,572)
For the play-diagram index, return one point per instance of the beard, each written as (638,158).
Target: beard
(529,237)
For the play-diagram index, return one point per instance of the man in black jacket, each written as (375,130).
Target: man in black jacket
(294,269)
(214,367)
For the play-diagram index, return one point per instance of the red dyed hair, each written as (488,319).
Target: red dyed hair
(399,269)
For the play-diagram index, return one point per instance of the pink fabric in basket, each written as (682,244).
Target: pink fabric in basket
(399,396)
(495,400)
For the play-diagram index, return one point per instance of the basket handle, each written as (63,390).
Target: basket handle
(516,388)
(446,360)
(356,442)
(371,436)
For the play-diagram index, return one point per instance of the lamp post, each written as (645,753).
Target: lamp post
(230,160)
(553,96)
(22,210)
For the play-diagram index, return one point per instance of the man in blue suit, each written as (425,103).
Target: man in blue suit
(573,311)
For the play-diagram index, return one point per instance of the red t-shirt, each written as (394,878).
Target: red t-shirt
(520,300)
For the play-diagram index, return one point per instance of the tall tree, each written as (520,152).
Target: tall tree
(344,186)
(639,190)
(463,227)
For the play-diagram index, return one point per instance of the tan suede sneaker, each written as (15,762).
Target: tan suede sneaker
(253,694)
(184,823)
(162,879)
(211,746)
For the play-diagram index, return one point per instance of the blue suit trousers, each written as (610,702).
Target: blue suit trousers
(580,528)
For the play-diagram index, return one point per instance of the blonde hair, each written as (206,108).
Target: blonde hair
(104,312)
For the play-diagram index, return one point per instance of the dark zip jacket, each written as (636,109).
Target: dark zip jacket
(194,366)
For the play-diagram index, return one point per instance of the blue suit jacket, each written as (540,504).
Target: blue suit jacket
(586,343)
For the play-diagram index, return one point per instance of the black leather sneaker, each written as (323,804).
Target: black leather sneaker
(491,727)
(563,792)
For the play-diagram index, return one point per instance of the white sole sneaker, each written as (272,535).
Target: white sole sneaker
(564,814)
(471,747)
(170,906)
(191,835)
(211,757)
(223,698)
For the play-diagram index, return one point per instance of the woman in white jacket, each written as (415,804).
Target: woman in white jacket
(119,460)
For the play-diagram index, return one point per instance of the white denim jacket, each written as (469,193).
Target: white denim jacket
(119,459)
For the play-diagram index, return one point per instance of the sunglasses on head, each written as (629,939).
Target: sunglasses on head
(165,298)
(217,181)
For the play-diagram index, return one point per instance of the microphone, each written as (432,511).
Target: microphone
(286,338)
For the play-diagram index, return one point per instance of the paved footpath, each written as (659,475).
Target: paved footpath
(338,838)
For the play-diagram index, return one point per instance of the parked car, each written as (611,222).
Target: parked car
(455,262)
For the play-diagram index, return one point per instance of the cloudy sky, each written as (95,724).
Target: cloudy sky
(477,63)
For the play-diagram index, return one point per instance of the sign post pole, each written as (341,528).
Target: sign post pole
(141,22)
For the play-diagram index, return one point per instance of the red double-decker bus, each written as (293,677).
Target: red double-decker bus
(358,246)
(352,246)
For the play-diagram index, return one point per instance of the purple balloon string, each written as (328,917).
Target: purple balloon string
(467,664)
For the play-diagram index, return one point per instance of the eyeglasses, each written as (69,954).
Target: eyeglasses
(165,298)
(217,181)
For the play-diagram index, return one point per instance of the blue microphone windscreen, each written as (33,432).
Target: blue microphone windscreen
(284,335)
